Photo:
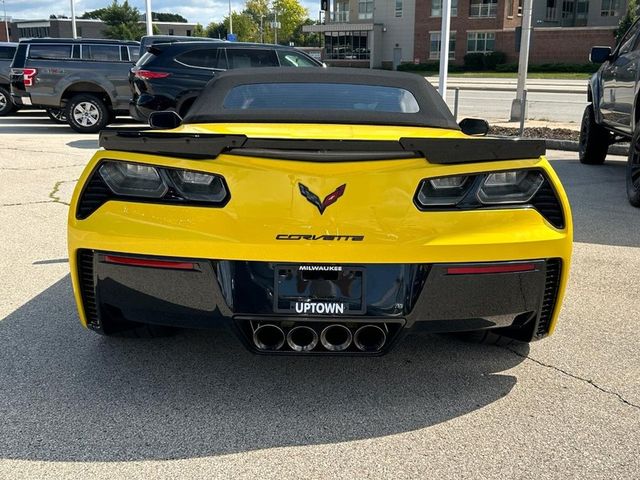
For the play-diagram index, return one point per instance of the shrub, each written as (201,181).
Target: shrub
(493,59)
(474,61)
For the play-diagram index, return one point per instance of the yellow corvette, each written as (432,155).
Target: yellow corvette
(319,212)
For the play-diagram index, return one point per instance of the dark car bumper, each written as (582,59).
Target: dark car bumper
(201,293)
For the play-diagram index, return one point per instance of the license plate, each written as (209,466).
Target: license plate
(319,290)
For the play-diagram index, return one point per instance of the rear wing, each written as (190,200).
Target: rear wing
(435,150)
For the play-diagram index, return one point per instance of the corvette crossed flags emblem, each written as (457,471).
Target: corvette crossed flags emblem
(328,200)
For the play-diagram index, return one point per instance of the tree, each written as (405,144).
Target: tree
(244,27)
(216,30)
(290,15)
(199,31)
(122,21)
(168,17)
(301,39)
(625,22)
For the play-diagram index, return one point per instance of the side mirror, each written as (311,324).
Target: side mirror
(600,54)
(474,126)
(165,120)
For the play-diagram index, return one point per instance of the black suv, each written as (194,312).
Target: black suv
(87,79)
(7,50)
(613,112)
(171,76)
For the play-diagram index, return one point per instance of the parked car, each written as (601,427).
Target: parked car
(7,50)
(613,112)
(149,40)
(171,76)
(319,211)
(86,79)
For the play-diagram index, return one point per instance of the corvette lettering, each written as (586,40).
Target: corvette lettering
(328,238)
(319,308)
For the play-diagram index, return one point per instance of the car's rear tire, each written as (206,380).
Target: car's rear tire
(87,113)
(633,169)
(594,139)
(7,106)
(57,115)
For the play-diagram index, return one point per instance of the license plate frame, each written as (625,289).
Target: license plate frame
(329,285)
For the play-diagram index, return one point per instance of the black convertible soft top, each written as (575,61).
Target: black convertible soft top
(432,112)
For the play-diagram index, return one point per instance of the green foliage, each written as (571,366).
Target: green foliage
(474,61)
(625,22)
(168,17)
(484,61)
(122,21)
(290,15)
(243,27)
(199,31)
(428,67)
(493,59)
(216,30)
(301,39)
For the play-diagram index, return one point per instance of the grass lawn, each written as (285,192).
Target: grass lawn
(545,75)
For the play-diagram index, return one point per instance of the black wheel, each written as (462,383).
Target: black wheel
(485,337)
(6,105)
(633,170)
(87,113)
(594,139)
(57,115)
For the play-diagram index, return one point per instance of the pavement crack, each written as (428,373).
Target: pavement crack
(56,187)
(575,377)
(25,203)
(55,167)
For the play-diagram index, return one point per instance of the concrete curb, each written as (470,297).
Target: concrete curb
(572,146)
(483,88)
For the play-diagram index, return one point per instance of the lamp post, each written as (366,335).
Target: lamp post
(230,19)
(74,28)
(445,33)
(149,17)
(6,25)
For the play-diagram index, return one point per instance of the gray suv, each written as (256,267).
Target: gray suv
(86,79)
(7,50)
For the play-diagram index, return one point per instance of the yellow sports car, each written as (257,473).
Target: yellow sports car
(319,212)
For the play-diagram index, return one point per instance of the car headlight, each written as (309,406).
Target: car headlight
(443,191)
(516,186)
(198,186)
(132,179)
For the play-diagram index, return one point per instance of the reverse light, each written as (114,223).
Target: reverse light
(149,75)
(132,179)
(28,76)
(516,186)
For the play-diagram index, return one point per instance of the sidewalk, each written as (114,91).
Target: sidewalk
(510,84)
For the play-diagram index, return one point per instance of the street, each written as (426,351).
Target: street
(199,405)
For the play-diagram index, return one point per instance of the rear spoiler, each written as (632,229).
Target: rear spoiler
(435,150)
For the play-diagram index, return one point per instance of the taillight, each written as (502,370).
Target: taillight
(28,76)
(149,75)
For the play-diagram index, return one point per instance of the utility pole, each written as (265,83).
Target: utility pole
(74,29)
(149,18)
(230,19)
(445,33)
(518,106)
(275,24)
(261,28)
(6,25)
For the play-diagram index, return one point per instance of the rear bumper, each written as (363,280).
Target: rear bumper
(208,293)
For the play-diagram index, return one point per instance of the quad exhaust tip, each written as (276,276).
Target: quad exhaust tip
(336,338)
(302,339)
(369,338)
(268,337)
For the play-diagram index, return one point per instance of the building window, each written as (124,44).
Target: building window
(171,31)
(509,8)
(434,46)
(365,9)
(482,42)
(341,14)
(483,8)
(520,7)
(398,8)
(610,8)
(582,13)
(79,31)
(188,33)
(551,13)
(346,46)
(436,8)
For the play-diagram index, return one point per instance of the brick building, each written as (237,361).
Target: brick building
(61,28)
(563,32)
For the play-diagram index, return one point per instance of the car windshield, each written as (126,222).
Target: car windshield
(320,96)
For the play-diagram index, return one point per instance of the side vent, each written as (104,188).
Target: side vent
(547,203)
(95,194)
(551,287)
(87,289)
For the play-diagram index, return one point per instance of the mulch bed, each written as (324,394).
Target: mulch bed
(537,132)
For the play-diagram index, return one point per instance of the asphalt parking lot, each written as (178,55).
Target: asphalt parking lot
(77,405)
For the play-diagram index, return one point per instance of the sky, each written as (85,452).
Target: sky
(201,11)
